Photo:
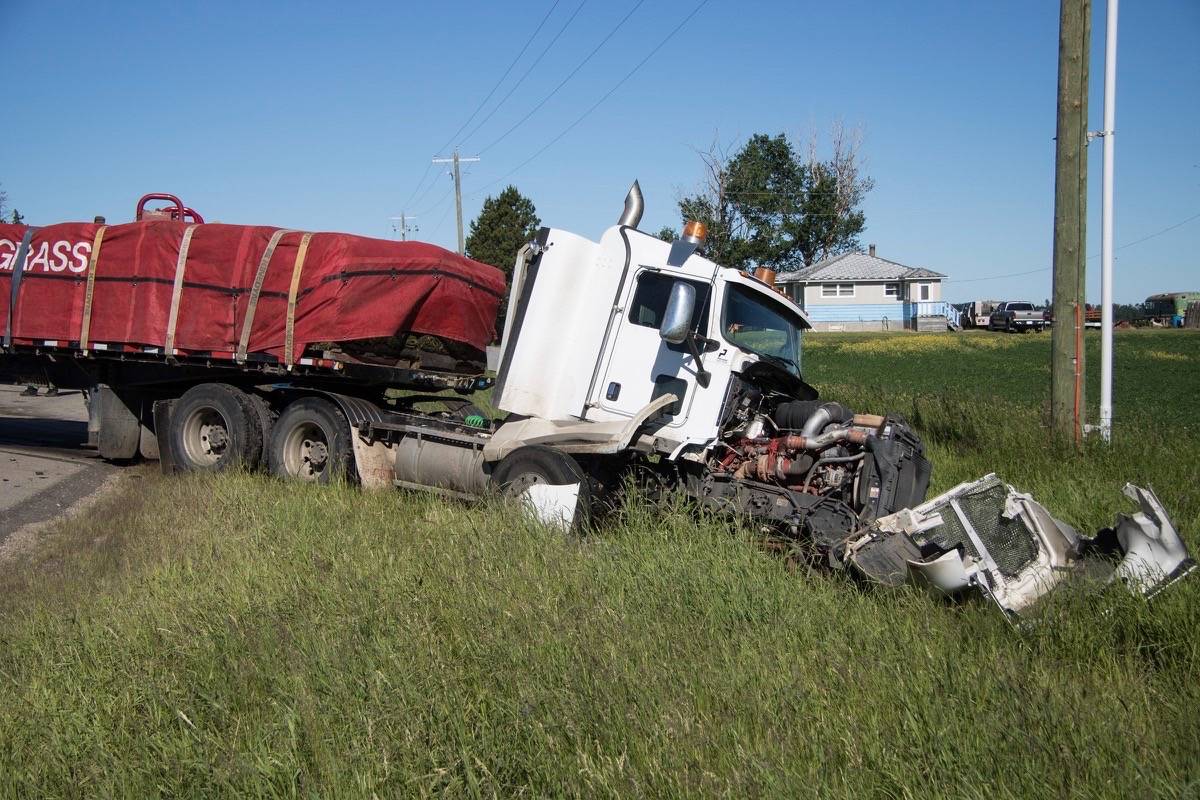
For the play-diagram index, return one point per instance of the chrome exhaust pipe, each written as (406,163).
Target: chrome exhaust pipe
(634,206)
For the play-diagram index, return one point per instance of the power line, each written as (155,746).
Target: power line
(564,81)
(483,102)
(525,74)
(1159,233)
(441,221)
(1156,234)
(417,188)
(438,204)
(607,95)
(430,188)
(512,64)
(998,277)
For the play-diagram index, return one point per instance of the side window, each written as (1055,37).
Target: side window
(650,301)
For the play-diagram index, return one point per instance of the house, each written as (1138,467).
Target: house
(863,292)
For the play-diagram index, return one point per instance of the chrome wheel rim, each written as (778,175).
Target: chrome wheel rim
(306,452)
(205,436)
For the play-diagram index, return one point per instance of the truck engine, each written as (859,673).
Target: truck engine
(812,470)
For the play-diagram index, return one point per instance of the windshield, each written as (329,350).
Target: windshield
(754,323)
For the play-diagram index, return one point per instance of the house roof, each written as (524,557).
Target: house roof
(856,267)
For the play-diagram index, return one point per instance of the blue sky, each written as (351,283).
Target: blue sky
(324,116)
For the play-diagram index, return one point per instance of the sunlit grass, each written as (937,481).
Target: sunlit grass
(234,635)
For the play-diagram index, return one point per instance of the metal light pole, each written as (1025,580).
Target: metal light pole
(1106,223)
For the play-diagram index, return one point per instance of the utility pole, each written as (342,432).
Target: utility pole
(403,228)
(1106,222)
(456,160)
(1067,398)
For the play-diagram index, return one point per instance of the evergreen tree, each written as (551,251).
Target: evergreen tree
(505,223)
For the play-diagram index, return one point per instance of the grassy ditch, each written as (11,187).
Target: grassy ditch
(205,636)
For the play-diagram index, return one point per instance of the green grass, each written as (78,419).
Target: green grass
(207,636)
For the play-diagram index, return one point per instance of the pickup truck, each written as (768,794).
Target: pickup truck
(1017,316)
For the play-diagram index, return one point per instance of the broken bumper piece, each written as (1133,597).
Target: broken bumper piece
(986,536)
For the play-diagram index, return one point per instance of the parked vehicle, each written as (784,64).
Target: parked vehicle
(1017,315)
(1170,308)
(976,313)
(627,360)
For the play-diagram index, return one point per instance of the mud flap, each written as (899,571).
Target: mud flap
(554,506)
(374,462)
(162,410)
(986,536)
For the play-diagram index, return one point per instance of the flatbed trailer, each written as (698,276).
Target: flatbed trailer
(123,385)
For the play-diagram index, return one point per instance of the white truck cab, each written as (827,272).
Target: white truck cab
(597,332)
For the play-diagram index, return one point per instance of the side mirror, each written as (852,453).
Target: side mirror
(677,318)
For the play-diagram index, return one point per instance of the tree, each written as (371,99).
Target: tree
(667,233)
(15,217)
(835,191)
(505,223)
(767,205)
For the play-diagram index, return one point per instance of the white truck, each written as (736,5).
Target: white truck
(636,359)
(625,360)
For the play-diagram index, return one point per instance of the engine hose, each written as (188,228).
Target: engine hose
(824,440)
(827,413)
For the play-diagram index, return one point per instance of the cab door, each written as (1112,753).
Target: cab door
(639,365)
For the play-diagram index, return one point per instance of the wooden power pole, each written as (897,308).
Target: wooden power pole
(456,160)
(1067,398)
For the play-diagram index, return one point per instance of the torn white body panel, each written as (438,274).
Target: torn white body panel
(985,535)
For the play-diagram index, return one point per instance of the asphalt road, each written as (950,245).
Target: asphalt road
(45,467)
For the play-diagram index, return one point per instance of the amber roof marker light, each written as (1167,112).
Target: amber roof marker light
(695,234)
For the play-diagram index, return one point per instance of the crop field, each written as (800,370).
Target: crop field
(208,636)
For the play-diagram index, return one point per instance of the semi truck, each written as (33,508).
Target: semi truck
(624,361)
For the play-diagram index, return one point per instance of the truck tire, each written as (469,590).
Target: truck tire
(537,464)
(214,427)
(311,442)
(266,416)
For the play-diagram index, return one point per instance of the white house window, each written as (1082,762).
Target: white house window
(891,289)
(922,291)
(837,290)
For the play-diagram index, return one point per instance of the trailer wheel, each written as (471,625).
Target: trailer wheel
(311,442)
(535,464)
(214,426)
(266,416)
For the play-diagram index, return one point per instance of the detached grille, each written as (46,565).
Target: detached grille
(1010,544)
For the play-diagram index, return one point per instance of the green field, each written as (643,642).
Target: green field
(210,636)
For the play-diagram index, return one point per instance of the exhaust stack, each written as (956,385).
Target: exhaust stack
(634,206)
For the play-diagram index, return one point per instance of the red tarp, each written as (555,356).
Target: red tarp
(351,287)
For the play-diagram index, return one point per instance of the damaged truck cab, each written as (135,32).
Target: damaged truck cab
(636,354)
(599,333)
